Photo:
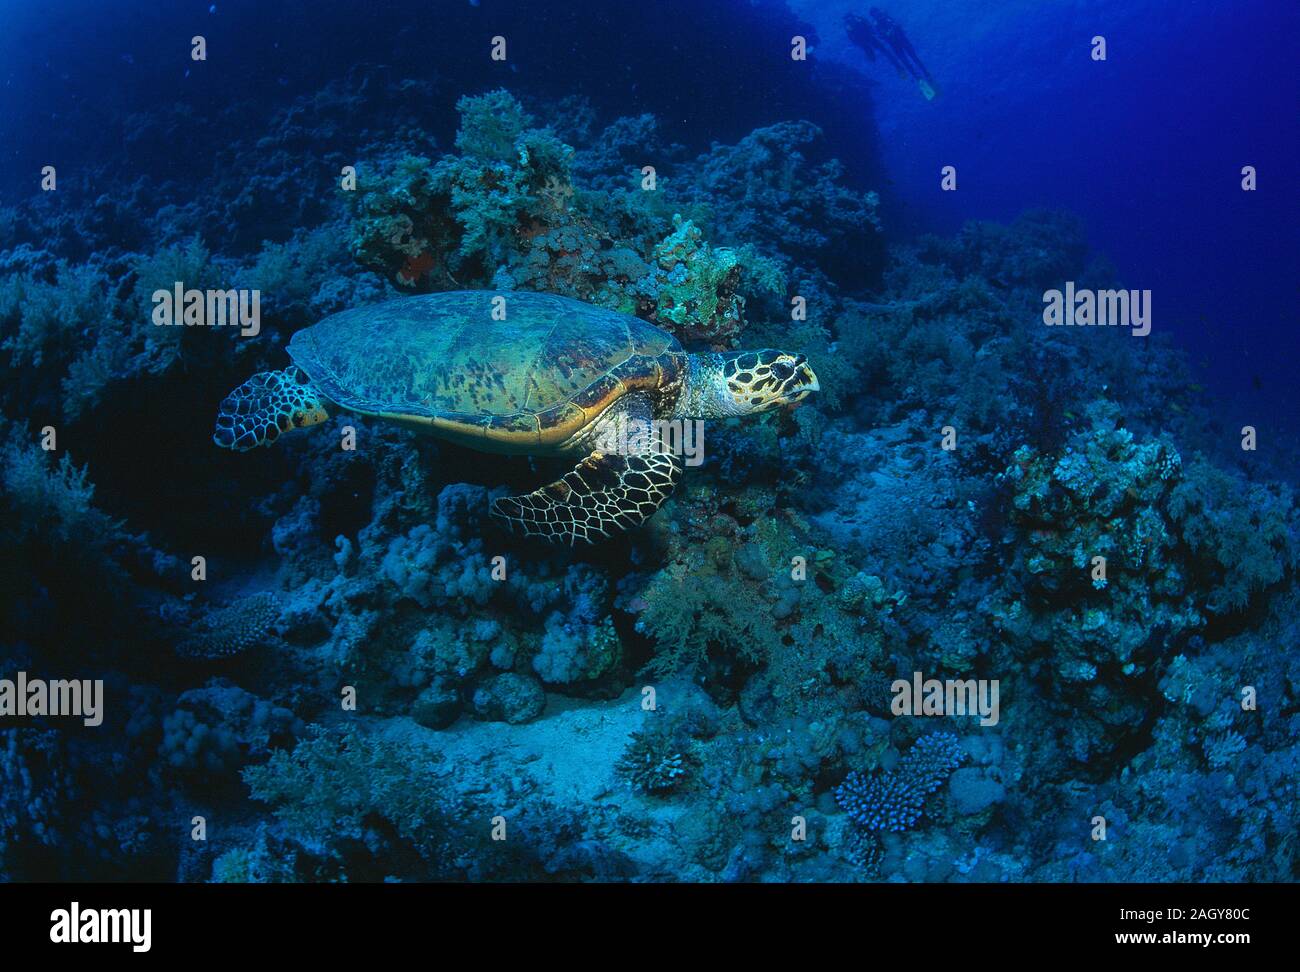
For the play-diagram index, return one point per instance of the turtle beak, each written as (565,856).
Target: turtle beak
(805,380)
(801,384)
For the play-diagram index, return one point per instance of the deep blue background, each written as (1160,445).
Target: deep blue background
(1147,146)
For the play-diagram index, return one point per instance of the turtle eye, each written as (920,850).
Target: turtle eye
(782,371)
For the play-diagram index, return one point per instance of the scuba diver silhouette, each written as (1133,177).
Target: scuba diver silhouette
(882,34)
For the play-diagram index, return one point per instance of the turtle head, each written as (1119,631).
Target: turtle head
(761,380)
(745,382)
(267,405)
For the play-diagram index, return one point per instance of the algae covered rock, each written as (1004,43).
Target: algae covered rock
(437,706)
(509,698)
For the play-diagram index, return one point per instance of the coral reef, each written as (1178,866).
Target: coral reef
(505,212)
(371,683)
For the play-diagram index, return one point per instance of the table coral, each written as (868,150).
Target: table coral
(232,629)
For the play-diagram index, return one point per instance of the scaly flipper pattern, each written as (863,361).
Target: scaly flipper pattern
(602,496)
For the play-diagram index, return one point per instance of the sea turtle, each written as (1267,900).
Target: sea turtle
(521,373)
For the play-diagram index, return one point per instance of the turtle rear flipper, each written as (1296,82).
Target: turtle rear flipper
(602,496)
(269,403)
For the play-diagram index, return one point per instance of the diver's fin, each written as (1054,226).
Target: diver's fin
(927,90)
(602,496)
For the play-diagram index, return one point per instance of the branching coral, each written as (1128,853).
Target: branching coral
(189,264)
(654,762)
(731,600)
(52,531)
(69,328)
(893,800)
(689,614)
(54,499)
(47,320)
(262,862)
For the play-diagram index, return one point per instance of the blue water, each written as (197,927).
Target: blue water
(1148,146)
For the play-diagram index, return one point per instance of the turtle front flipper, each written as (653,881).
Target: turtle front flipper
(269,403)
(602,496)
